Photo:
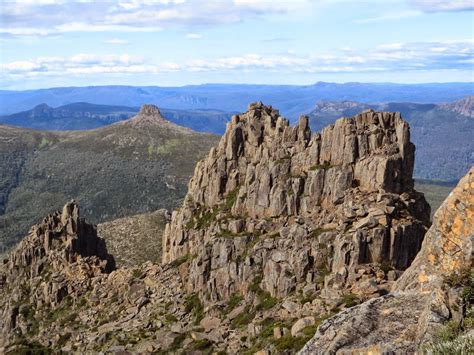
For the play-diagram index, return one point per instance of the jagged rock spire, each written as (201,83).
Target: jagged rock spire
(148,115)
(354,179)
(62,234)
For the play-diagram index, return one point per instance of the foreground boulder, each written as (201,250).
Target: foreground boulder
(433,297)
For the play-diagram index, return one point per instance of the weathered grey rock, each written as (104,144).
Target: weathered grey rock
(421,300)
(278,224)
(276,201)
(210,323)
(300,324)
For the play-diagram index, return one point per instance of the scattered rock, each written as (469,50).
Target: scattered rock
(300,324)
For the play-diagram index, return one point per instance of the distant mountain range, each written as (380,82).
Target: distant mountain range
(136,166)
(291,100)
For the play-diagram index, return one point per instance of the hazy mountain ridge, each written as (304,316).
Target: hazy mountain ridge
(464,107)
(82,116)
(291,99)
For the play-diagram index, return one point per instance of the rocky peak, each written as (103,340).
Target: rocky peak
(149,110)
(61,237)
(270,195)
(339,106)
(41,110)
(148,115)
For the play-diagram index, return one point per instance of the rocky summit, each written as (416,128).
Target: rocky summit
(277,207)
(150,115)
(280,230)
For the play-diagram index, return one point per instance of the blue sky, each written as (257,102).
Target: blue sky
(47,43)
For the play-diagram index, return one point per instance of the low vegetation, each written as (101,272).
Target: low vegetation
(232,303)
(112,172)
(243,318)
(324,166)
(179,261)
(194,306)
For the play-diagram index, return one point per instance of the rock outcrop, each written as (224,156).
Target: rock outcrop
(63,242)
(62,237)
(150,115)
(435,289)
(280,207)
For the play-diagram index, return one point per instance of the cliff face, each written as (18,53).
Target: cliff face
(437,288)
(276,204)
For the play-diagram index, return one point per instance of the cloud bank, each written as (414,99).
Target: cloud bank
(391,57)
(443,5)
(52,17)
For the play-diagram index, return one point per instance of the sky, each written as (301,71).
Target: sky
(50,43)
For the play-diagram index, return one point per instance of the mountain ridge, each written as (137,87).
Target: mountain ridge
(113,171)
(82,116)
(292,99)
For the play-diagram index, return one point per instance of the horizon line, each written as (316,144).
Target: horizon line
(247,84)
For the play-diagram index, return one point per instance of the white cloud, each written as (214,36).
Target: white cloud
(443,5)
(393,57)
(390,57)
(134,4)
(83,64)
(46,17)
(193,36)
(117,41)
(271,5)
(20,66)
(393,16)
(84,27)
